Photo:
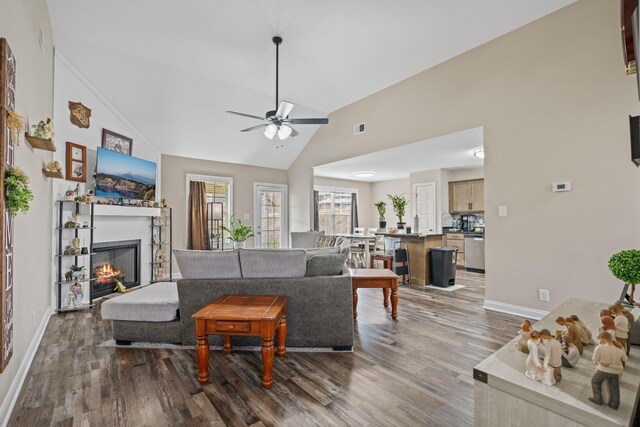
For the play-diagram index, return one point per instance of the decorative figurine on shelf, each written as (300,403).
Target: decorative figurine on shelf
(156,220)
(47,131)
(534,369)
(85,224)
(53,166)
(570,353)
(89,196)
(159,272)
(630,320)
(40,130)
(607,325)
(68,250)
(84,250)
(72,300)
(622,326)
(163,202)
(552,359)
(76,289)
(609,361)
(76,245)
(34,130)
(119,287)
(156,204)
(68,276)
(523,336)
(572,330)
(77,272)
(156,238)
(585,333)
(69,195)
(160,256)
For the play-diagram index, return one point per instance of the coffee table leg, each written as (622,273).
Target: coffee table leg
(394,301)
(202,352)
(282,336)
(226,348)
(385,296)
(267,362)
(355,302)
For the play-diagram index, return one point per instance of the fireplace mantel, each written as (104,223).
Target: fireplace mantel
(115,210)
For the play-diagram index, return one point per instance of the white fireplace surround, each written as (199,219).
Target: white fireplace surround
(118,223)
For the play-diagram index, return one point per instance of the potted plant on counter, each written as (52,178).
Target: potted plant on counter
(625,265)
(382,208)
(238,232)
(399,203)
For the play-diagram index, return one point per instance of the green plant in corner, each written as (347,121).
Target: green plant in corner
(625,265)
(18,193)
(238,232)
(399,203)
(382,209)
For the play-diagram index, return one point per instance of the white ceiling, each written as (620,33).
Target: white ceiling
(453,151)
(173,67)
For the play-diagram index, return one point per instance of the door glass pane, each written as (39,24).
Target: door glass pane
(271,219)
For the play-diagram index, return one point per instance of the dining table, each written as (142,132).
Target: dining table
(358,237)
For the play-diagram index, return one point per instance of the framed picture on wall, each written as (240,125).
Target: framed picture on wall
(116,142)
(76,162)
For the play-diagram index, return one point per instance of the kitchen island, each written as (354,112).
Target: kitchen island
(419,248)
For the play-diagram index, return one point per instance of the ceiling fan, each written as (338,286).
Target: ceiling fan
(278,121)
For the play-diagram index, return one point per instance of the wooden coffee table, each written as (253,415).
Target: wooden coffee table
(244,315)
(375,278)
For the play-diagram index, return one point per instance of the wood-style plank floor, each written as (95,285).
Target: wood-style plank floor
(415,371)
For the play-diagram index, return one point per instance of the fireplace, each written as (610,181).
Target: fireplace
(115,261)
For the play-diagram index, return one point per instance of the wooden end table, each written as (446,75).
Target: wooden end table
(244,315)
(375,278)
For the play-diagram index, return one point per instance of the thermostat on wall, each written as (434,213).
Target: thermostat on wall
(561,186)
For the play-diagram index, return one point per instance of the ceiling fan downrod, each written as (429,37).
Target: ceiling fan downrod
(277,40)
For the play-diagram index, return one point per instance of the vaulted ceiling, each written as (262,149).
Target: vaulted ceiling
(173,67)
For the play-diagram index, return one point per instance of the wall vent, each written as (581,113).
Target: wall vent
(358,129)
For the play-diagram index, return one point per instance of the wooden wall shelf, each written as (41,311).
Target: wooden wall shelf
(50,174)
(40,143)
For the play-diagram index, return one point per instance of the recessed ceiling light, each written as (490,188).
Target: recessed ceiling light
(365,174)
(479,152)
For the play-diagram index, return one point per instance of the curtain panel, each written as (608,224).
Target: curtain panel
(354,211)
(197,216)
(316,219)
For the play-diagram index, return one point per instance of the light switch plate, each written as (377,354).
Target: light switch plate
(543,295)
(502,211)
(557,187)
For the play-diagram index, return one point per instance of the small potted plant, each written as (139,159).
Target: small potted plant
(238,232)
(399,203)
(625,265)
(382,208)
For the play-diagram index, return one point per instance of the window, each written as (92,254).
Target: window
(334,212)
(218,189)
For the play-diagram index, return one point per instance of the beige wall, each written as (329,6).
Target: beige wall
(364,197)
(20,23)
(380,192)
(174,178)
(554,103)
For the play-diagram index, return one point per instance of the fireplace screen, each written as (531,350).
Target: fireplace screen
(115,261)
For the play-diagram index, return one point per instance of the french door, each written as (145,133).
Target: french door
(270,215)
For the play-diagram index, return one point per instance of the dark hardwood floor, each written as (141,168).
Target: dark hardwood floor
(415,371)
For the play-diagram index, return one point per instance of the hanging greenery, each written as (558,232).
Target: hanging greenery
(18,193)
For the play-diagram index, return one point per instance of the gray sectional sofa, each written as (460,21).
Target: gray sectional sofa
(317,282)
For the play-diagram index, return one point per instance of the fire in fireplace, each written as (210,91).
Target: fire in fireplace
(115,261)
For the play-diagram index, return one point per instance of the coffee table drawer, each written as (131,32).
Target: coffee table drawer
(224,326)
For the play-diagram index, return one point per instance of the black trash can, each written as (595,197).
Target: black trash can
(443,266)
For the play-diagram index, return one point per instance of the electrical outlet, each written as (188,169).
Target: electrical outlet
(543,295)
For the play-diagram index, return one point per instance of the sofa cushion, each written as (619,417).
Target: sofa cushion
(154,303)
(208,264)
(321,251)
(273,262)
(326,264)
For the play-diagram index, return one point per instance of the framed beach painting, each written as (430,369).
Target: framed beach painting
(116,142)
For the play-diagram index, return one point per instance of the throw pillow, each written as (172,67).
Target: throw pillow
(208,264)
(326,265)
(325,241)
(273,262)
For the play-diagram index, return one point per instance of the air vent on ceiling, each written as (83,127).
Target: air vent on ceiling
(358,129)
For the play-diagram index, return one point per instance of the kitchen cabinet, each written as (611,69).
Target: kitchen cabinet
(456,240)
(466,196)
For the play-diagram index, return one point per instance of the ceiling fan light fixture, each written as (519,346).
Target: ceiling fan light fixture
(479,152)
(270,131)
(284,131)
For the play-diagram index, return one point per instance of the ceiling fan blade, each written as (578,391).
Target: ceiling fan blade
(294,132)
(254,127)
(307,121)
(245,115)
(284,109)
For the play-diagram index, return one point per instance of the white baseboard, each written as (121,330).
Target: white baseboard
(517,310)
(14,390)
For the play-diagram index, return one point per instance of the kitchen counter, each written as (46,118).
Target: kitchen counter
(419,248)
